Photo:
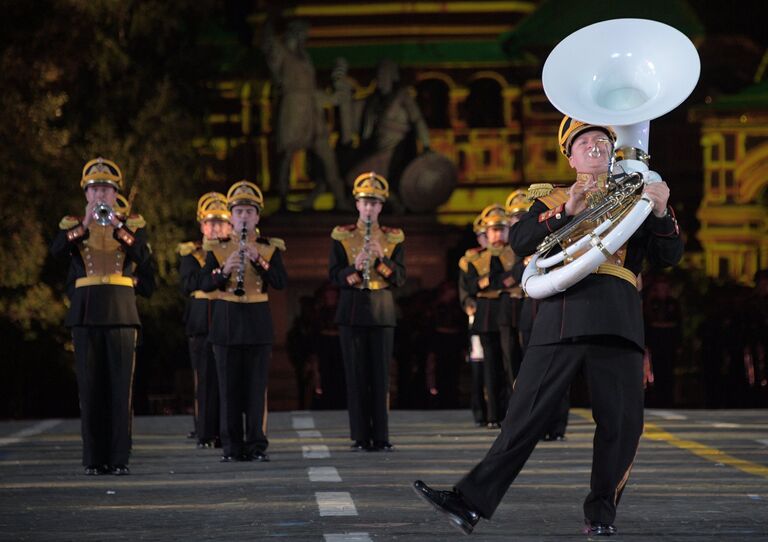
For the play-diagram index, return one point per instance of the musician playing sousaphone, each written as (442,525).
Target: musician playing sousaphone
(595,325)
(242,267)
(109,263)
(367,262)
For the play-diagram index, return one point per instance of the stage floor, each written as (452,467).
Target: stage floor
(698,476)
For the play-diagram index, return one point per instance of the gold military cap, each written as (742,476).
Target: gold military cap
(570,129)
(212,206)
(101,171)
(245,193)
(370,185)
(517,202)
(494,215)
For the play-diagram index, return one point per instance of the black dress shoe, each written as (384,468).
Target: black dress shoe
(201,444)
(229,458)
(359,446)
(192,434)
(449,503)
(381,446)
(96,470)
(493,425)
(596,528)
(120,470)
(258,456)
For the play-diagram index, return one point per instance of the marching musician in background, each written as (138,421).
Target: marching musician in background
(367,262)
(243,267)
(109,263)
(469,306)
(492,276)
(595,325)
(213,216)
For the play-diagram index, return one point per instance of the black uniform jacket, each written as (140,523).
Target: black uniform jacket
(196,309)
(108,252)
(599,304)
(374,307)
(243,323)
(491,276)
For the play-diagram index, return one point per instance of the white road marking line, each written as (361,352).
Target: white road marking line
(726,425)
(763,441)
(36,429)
(323,474)
(315,451)
(348,537)
(665,414)
(335,503)
(303,422)
(309,433)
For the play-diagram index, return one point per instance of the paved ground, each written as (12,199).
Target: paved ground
(699,476)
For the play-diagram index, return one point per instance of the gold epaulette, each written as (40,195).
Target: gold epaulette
(69,222)
(210,244)
(556,198)
(464,264)
(185,249)
(394,235)
(340,233)
(473,253)
(134,222)
(278,243)
(539,190)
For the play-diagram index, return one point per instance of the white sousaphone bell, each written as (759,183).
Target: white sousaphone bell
(620,73)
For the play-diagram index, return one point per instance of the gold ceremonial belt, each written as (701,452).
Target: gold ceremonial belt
(99,280)
(495,294)
(617,271)
(373,285)
(247,298)
(199,294)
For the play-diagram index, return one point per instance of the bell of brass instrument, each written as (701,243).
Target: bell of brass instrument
(367,263)
(103,214)
(240,287)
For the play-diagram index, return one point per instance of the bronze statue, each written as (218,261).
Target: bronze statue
(300,122)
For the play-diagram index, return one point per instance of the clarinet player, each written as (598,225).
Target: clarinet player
(243,267)
(367,263)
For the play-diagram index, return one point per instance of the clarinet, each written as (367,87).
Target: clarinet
(367,263)
(239,289)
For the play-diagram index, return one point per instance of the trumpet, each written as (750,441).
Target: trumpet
(239,288)
(103,214)
(367,263)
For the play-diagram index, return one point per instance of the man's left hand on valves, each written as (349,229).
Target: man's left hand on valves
(658,193)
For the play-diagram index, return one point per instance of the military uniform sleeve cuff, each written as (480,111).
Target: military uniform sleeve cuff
(484,282)
(77,233)
(354,278)
(124,235)
(554,218)
(664,226)
(383,269)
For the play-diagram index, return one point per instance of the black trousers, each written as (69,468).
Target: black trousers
(367,352)
(614,372)
(243,371)
(105,358)
(511,352)
(478,391)
(496,386)
(206,388)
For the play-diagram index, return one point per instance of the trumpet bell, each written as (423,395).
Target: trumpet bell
(621,72)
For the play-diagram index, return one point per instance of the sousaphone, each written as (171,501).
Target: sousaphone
(620,73)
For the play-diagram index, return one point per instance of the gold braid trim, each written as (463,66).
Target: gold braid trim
(538,190)
(277,243)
